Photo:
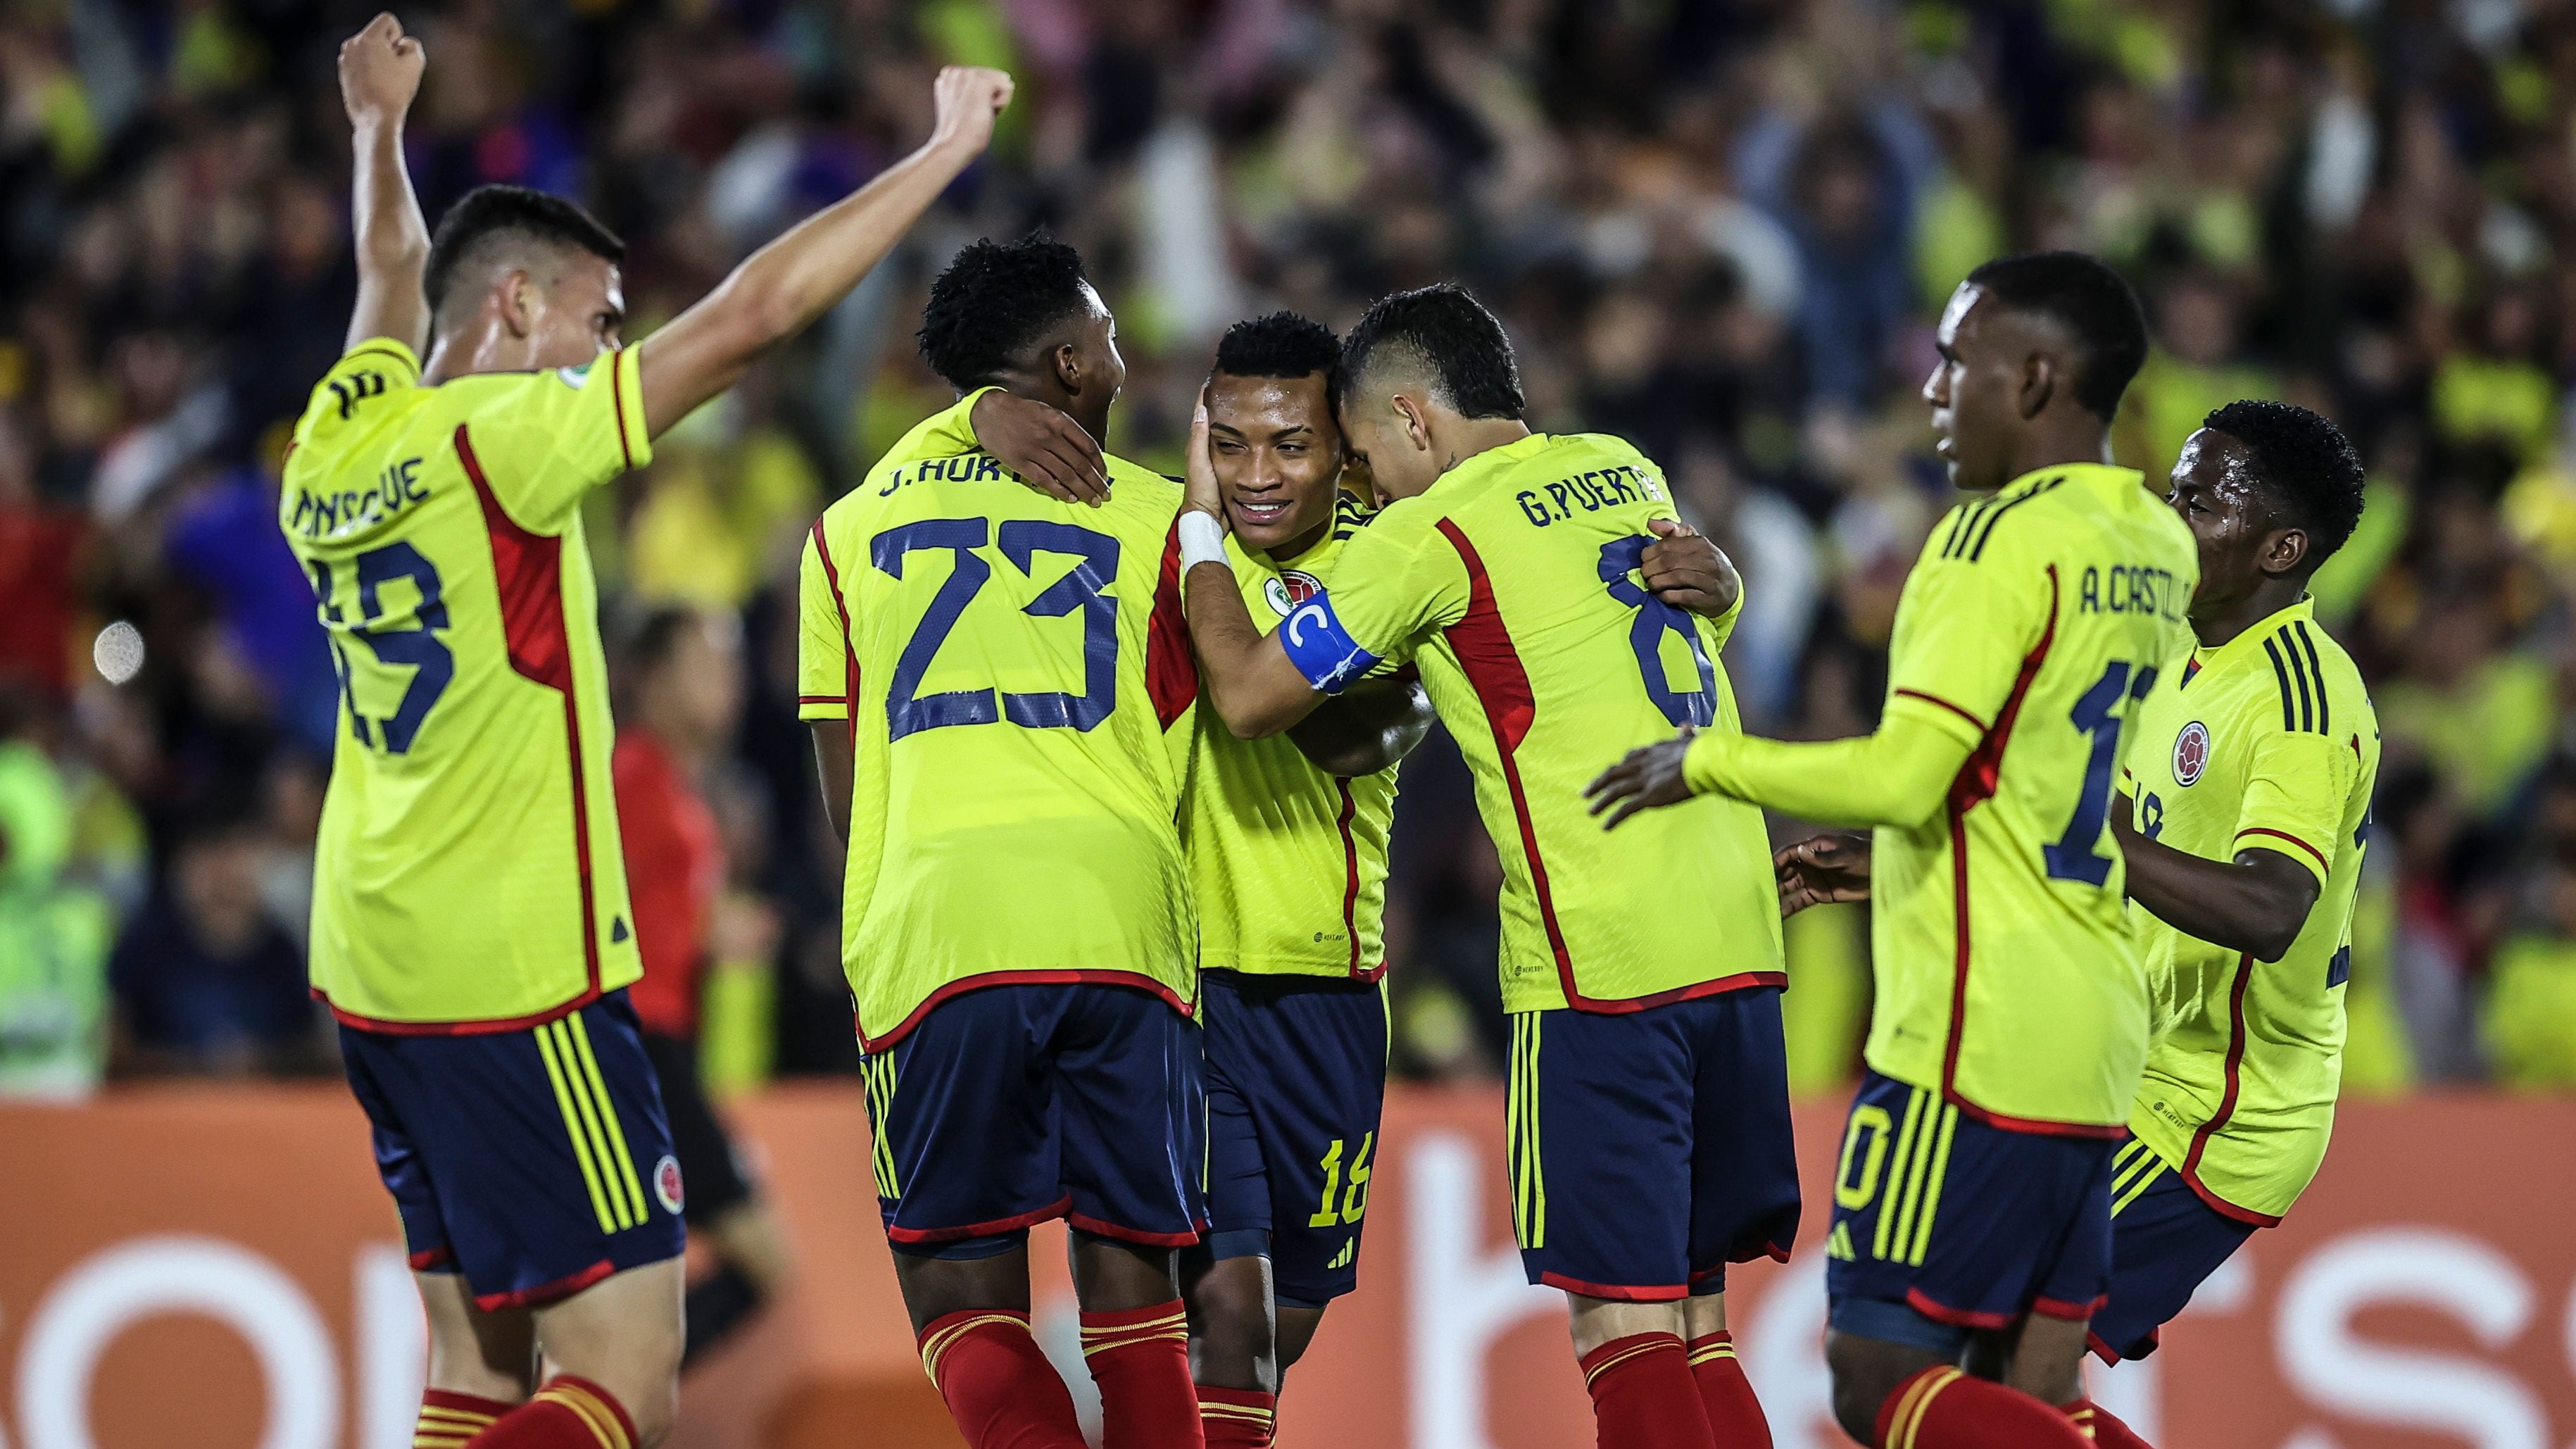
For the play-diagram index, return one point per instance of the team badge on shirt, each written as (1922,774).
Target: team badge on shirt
(2191,753)
(1290,589)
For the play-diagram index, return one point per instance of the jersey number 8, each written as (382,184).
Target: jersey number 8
(1082,589)
(1621,557)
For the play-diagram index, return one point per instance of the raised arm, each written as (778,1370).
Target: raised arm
(785,285)
(379,74)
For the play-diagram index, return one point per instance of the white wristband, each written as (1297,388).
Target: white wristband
(1202,539)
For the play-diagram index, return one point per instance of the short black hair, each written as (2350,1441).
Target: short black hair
(1283,344)
(2092,301)
(994,299)
(493,215)
(1450,335)
(2305,462)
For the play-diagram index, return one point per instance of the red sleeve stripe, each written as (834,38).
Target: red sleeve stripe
(617,400)
(2315,854)
(840,605)
(1979,724)
(1171,669)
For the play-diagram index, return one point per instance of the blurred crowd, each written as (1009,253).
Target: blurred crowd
(1722,228)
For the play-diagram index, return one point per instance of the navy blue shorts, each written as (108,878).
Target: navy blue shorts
(2165,1242)
(1944,1224)
(1010,1105)
(1650,1149)
(1296,1083)
(535,1162)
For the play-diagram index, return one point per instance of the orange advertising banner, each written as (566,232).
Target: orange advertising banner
(213,1267)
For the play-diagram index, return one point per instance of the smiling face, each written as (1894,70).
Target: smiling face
(1278,457)
(2242,537)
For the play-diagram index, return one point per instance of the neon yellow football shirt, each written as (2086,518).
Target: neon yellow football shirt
(2268,741)
(468,875)
(1018,680)
(1289,860)
(1513,581)
(2008,976)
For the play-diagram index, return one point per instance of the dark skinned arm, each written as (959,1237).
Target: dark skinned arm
(2257,903)
(832,760)
(1366,728)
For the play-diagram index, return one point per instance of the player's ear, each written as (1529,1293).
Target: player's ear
(520,303)
(2285,550)
(2038,383)
(1066,361)
(1416,423)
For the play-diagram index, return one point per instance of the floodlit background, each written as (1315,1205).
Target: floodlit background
(1720,229)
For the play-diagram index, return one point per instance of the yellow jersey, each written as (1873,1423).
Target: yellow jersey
(1289,860)
(1513,581)
(2008,978)
(1018,681)
(468,875)
(2268,741)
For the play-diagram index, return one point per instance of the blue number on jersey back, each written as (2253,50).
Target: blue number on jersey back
(1083,589)
(1621,557)
(2096,714)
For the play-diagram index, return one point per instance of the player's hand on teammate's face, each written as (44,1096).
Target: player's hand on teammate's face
(1684,569)
(1647,777)
(963,102)
(1821,870)
(1202,492)
(1045,446)
(380,70)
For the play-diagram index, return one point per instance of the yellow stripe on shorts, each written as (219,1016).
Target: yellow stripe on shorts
(1932,1188)
(607,1105)
(1888,1193)
(609,1219)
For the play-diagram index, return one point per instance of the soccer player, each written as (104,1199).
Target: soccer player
(2248,782)
(684,696)
(999,689)
(1289,862)
(471,927)
(1648,1119)
(1973,1192)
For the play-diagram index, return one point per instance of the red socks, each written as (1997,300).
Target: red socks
(1237,1418)
(1643,1396)
(447,1420)
(999,1386)
(1943,1408)
(1140,1358)
(1734,1415)
(2103,1427)
(568,1413)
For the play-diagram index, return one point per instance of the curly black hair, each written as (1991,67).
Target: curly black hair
(2305,462)
(994,300)
(2092,301)
(1282,344)
(485,221)
(1449,334)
